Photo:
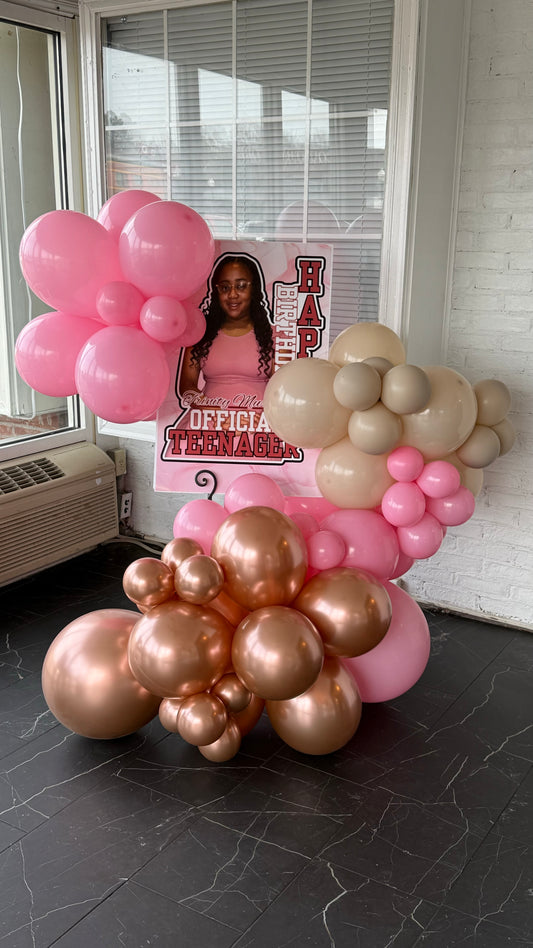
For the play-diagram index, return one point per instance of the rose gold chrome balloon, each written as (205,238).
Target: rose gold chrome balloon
(179,649)
(351,610)
(248,718)
(263,555)
(168,713)
(202,719)
(228,608)
(148,581)
(179,549)
(198,579)
(226,746)
(232,692)
(87,681)
(277,652)
(325,717)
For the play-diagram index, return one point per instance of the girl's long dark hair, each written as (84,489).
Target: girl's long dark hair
(215,316)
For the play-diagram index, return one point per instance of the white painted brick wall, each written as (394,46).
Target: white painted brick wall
(486,565)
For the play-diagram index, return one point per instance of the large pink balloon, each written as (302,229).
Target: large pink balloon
(120,207)
(122,375)
(65,258)
(47,348)
(371,542)
(397,662)
(166,249)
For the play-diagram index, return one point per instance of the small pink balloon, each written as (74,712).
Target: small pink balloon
(163,318)
(397,662)
(403,566)
(194,328)
(199,520)
(119,208)
(371,542)
(122,375)
(47,348)
(438,479)
(421,539)
(403,504)
(306,524)
(326,550)
(119,303)
(454,509)
(318,507)
(405,463)
(253,490)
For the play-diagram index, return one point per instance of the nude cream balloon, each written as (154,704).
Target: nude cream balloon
(198,579)
(366,340)
(148,581)
(357,386)
(226,746)
(506,434)
(448,418)
(375,431)
(300,404)
(348,477)
(322,719)
(481,448)
(493,401)
(405,389)
(87,682)
(202,719)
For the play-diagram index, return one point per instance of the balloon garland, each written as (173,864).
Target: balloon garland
(269,602)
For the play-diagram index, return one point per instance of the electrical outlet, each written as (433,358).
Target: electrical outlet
(125,505)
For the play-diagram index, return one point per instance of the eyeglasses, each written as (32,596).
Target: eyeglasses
(240,286)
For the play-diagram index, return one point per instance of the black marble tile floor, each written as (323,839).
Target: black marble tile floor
(418,832)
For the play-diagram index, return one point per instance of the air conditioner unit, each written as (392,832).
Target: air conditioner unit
(54,506)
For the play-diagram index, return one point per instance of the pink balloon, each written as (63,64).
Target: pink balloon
(163,318)
(404,565)
(439,478)
(199,520)
(405,463)
(120,207)
(65,258)
(422,539)
(371,542)
(119,303)
(166,249)
(403,504)
(253,490)
(318,507)
(305,523)
(195,326)
(47,348)
(122,375)
(452,510)
(397,662)
(325,549)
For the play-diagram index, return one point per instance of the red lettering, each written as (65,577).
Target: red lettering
(309,342)
(310,273)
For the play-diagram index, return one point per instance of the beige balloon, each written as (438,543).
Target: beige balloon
(169,710)
(405,389)
(300,405)
(471,478)
(325,717)
(493,401)
(448,418)
(357,386)
(277,652)
(87,682)
(366,340)
(507,435)
(148,581)
(179,549)
(481,448)
(226,746)
(198,579)
(375,431)
(379,364)
(348,477)
(202,719)
(232,692)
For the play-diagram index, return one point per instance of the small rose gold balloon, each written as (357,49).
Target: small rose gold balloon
(232,692)
(87,682)
(277,652)
(202,719)
(226,746)
(248,718)
(198,579)
(179,549)
(168,713)
(351,610)
(228,608)
(148,581)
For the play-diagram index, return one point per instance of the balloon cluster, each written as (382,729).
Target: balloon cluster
(117,285)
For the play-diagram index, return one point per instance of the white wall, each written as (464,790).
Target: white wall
(486,566)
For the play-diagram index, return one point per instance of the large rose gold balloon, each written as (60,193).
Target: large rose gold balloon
(481,448)
(471,478)
(348,477)
(406,388)
(277,652)
(87,682)
(375,431)
(148,581)
(198,579)
(226,746)
(357,386)
(351,610)
(179,549)
(364,341)
(228,608)
(232,692)
(493,401)
(448,417)
(300,404)
(179,649)
(325,717)
(263,555)
(248,718)
(169,710)
(202,719)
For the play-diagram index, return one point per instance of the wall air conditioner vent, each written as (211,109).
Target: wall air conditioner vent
(54,507)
